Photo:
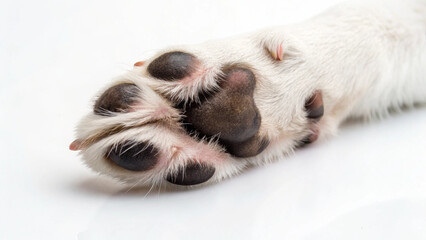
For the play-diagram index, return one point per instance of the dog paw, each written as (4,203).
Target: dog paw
(139,133)
(184,118)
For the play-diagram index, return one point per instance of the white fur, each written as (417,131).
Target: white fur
(365,58)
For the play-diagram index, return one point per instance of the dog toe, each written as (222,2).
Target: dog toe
(134,156)
(117,98)
(191,174)
(173,66)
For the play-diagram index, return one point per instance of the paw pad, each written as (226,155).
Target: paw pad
(133,156)
(173,66)
(192,174)
(314,106)
(117,98)
(231,114)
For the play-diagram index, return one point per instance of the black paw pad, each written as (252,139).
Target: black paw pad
(117,98)
(231,114)
(192,174)
(308,140)
(134,156)
(251,147)
(315,107)
(173,66)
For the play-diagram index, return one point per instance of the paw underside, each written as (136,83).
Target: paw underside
(177,121)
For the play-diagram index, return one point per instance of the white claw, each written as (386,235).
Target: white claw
(277,53)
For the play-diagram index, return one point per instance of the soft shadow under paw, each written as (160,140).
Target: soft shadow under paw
(106,186)
(97,186)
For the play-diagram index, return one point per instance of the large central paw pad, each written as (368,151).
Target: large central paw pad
(230,114)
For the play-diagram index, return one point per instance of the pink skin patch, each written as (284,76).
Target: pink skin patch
(190,78)
(199,72)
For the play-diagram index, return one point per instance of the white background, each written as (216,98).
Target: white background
(367,183)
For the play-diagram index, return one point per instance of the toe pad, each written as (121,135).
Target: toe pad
(134,156)
(192,174)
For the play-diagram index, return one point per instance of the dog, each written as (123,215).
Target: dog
(194,115)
